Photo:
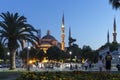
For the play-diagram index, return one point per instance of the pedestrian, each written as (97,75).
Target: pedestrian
(108,59)
(100,63)
(90,65)
(76,67)
(71,67)
(86,65)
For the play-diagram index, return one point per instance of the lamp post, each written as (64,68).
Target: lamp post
(70,55)
(8,54)
(70,59)
(28,67)
(119,58)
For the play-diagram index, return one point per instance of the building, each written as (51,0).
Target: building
(48,40)
(115,53)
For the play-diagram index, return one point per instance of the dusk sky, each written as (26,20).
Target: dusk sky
(89,20)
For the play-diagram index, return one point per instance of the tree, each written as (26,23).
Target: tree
(53,53)
(115,3)
(2,51)
(13,30)
(40,54)
(33,54)
(76,51)
(88,53)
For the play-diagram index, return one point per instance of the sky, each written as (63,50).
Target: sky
(89,20)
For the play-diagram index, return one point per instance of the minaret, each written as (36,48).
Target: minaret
(63,35)
(108,41)
(114,33)
(69,37)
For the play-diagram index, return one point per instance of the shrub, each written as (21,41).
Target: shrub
(75,75)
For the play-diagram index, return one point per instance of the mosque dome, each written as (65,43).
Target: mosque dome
(48,36)
(48,40)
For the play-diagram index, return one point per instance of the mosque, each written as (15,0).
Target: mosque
(115,53)
(48,40)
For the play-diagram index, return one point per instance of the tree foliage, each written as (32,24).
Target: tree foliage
(33,54)
(115,3)
(54,53)
(13,30)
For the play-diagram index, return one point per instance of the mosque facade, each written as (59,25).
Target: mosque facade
(48,40)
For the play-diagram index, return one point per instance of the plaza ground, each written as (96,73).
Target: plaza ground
(6,74)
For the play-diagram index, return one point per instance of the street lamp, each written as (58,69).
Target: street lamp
(28,67)
(8,56)
(119,58)
(70,60)
(70,55)
(8,53)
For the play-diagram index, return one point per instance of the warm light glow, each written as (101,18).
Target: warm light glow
(44,60)
(30,61)
(83,60)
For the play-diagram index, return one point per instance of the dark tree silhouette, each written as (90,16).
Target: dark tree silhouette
(13,30)
(115,3)
(53,53)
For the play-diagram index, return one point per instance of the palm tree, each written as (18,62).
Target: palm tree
(115,3)
(13,30)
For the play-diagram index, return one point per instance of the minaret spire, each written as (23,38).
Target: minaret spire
(63,35)
(114,25)
(108,41)
(69,36)
(63,20)
(114,33)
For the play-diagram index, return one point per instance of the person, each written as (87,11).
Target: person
(86,65)
(118,67)
(71,67)
(90,65)
(100,63)
(108,59)
(76,67)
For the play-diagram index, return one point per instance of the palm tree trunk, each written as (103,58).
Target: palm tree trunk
(12,59)
(12,49)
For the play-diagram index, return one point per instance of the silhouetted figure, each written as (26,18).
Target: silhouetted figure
(86,65)
(100,63)
(76,67)
(71,67)
(118,67)
(90,66)
(108,59)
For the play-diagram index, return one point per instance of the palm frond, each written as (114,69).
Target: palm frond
(115,3)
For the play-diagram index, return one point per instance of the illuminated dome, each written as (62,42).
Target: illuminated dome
(48,41)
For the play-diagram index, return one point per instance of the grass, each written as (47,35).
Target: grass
(9,75)
(78,75)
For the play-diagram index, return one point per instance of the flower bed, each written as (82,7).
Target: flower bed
(75,75)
